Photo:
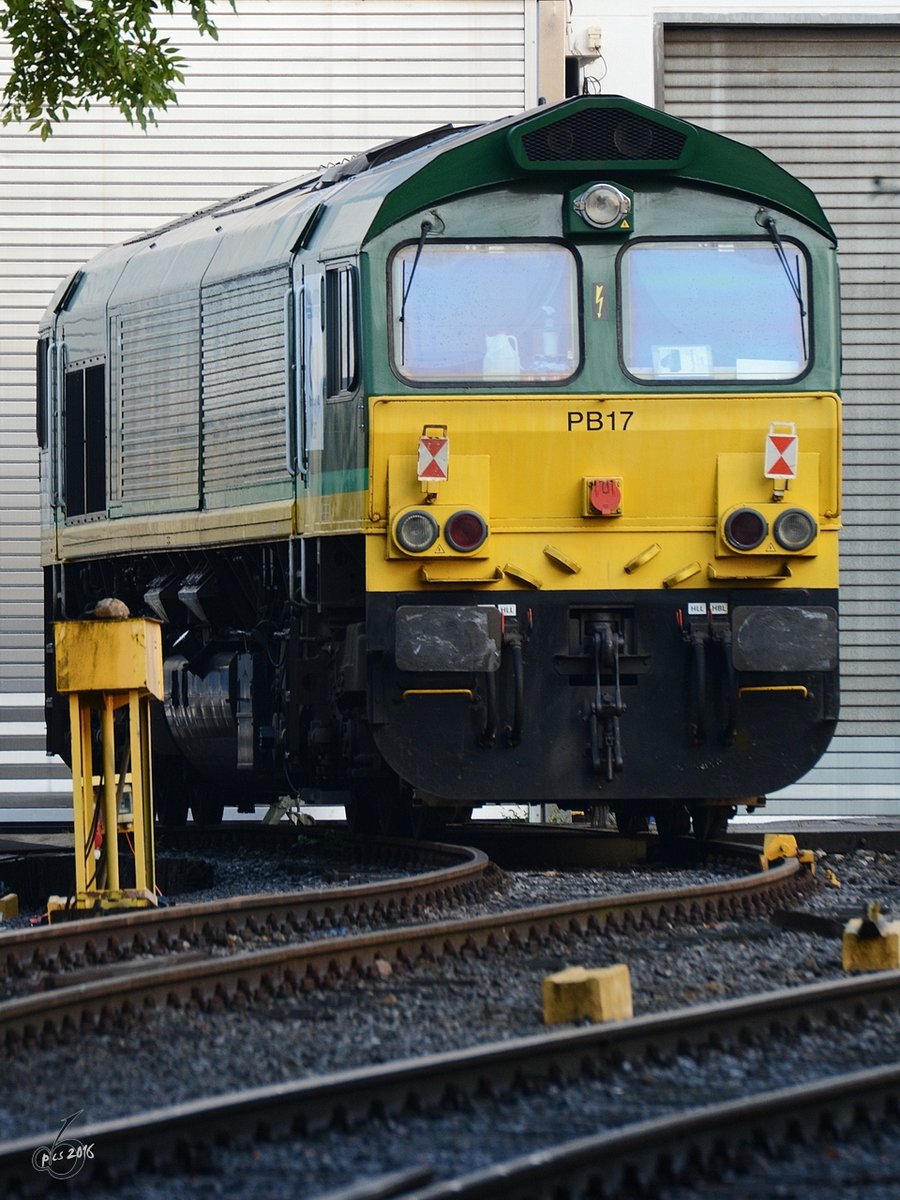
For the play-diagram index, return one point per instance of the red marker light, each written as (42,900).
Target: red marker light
(745,529)
(466,530)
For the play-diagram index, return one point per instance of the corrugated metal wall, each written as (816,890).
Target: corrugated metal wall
(287,88)
(823,102)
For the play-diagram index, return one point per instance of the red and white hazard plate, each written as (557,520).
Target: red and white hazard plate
(781,455)
(434,459)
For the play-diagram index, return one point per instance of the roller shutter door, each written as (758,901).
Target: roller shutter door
(823,102)
(286,89)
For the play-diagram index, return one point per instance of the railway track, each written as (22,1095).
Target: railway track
(125,992)
(117,936)
(128,988)
(630,1161)
(36,868)
(114,937)
(643,1158)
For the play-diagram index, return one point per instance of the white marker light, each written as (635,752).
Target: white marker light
(603,206)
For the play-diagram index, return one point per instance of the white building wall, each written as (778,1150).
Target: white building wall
(630,32)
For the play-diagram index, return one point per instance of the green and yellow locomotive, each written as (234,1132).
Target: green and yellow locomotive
(495,464)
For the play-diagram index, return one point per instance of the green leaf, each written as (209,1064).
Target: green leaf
(68,54)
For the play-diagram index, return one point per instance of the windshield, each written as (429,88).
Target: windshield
(495,312)
(714,310)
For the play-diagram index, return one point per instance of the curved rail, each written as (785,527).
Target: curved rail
(114,936)
(303,966)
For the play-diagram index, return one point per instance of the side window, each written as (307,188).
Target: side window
(42,399)
(84,416)
(340,331)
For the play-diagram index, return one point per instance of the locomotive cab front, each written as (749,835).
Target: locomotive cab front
(629,384)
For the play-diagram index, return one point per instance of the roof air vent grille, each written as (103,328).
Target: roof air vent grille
(592,135)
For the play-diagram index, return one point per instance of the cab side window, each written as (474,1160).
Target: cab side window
(341,373)
(84,414)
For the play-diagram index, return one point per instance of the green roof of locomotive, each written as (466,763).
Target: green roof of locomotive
(510,150)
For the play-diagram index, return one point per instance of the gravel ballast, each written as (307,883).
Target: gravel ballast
(460,1002)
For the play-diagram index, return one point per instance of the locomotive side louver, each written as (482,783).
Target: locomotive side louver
(611,135)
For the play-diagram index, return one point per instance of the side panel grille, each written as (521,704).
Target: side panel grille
(243,384)
(155,390)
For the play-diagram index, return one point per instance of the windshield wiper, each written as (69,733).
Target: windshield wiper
(767,221)
(426,229)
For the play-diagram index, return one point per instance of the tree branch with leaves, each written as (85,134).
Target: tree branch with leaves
(69,54)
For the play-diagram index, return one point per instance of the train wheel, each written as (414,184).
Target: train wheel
(428,823)
(362,809)
(710,821)
(380,806)
(393,807)
(170,793)
(672,821)
(207,807)
(171,809)
(629,823)
(360,820)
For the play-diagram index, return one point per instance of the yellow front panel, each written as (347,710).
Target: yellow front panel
(676,459)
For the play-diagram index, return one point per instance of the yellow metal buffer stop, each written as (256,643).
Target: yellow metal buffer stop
(110,669)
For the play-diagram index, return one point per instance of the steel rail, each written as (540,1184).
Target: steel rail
(181,1135)
(114,936)
(638,1160)
(302,966)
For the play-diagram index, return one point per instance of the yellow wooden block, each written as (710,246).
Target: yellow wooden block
(871,953)
(9,906)
(597,993)
(109,656)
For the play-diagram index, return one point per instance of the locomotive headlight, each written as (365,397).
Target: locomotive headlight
(794,529)
(745,528)
(416,531)
(603,206)
(466,530)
